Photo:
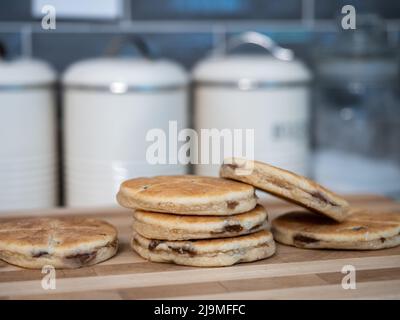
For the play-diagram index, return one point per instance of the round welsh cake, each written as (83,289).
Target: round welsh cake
(361,231)
(188,195)
(207,253)
(164,226)
(287,185)
(61,243)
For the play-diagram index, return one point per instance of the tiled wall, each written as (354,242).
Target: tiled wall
(183,30)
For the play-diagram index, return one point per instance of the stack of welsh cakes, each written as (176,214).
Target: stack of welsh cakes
(196,221)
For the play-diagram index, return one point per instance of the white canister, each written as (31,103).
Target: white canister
(110,106)
(268,93)
(28,157)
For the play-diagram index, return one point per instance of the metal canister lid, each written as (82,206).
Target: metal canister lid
(124,74)
(279,68)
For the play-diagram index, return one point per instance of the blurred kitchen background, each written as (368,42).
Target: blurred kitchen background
(76,101)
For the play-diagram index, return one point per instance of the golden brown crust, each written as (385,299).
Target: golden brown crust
(212,245)
(202,253)
(190,195)
(165,226)
(361,231)
(288,186)
(62,242)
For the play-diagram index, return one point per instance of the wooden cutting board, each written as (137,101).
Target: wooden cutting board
(291,274)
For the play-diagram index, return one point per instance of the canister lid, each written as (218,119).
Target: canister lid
(259,67)
(276,66)
(25,72)
(136,72)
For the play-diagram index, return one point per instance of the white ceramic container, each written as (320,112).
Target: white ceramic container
(110,105)
(28,158)
(268,93)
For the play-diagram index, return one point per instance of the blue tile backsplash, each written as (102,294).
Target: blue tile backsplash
(183,47)
(15,10)
(216,9)
(389,9)
(11,41)
(183,30)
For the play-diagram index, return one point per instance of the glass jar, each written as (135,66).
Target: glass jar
(357,113)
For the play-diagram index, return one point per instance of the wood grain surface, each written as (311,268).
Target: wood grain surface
(291,273)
